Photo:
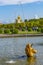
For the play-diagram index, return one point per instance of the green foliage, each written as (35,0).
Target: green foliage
(41,30)
(26,25)
(15,31)
(21,25)
(1,25)
(25,20)
(23,29)
(1,31)
(29,29)
(7,31)
(11,29)
(16,25)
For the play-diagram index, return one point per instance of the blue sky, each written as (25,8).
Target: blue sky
(10,9)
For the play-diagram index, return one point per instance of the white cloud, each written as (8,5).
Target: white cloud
(8,2)
(36,16)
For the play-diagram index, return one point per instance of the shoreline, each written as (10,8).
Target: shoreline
(20,35)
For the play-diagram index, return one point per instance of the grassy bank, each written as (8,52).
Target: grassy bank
(28,32)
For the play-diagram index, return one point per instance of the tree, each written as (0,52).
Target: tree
(29,29)
(15,31)
(25,20)
(7,31)
(41,30)
(16,25)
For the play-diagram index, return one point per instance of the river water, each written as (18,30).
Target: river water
(12,51)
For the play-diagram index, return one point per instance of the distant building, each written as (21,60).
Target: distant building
(18,20)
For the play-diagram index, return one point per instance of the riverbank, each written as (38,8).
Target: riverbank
(20,35)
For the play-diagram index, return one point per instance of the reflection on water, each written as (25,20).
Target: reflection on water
(12,51)
(26,61)
(31,60)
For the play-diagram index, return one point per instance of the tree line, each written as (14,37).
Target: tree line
(27,25)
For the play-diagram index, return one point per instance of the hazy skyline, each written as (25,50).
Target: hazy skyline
(10,9)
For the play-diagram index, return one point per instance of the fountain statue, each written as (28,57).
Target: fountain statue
(30,51)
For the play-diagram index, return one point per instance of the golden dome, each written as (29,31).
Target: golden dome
(18,17)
